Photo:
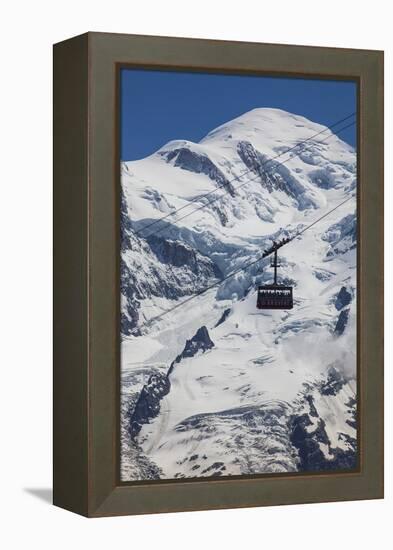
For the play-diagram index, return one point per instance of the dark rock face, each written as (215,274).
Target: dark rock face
(223,317)
(125,224)
(148,404)
(273,174)
(334,382)
(343,298)
(175,269)
(129,316)
(255,161)
(311,457)
(323,178)
(313,410)
(341,322)
(134,462)
(352,408)
(158,386)
(322,274)
(221,215)
(199,342)
(307,440)
(179,254)
(200,164)
(342,236)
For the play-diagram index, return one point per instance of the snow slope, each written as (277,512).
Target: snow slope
(218,387)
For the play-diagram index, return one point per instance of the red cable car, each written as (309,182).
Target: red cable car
(275,296)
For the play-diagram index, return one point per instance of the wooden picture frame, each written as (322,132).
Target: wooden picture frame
(86,268)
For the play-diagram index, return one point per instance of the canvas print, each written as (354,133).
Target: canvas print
(238,275)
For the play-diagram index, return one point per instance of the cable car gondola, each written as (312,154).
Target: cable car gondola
(275,296)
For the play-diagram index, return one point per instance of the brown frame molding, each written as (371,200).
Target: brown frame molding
(86,266)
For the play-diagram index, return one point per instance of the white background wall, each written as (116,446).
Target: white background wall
(27,31)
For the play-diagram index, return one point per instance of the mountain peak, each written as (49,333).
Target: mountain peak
(274,124)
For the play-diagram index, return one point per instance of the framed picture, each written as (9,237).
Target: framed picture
(218,260)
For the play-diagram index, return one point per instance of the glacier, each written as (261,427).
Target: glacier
(216,387)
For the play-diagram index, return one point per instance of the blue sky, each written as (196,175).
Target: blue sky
(158,106)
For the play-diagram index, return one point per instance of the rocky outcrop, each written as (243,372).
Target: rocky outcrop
(255,162)
(273,174)
(223,317)
(161,267)
(342,304)
(343,298)
(134,463)
(323,178)
(129,293)
(309,433)
(180,254)
(333,383)
(342,322)
(148,405)
(149,402)
(307,442)
(192,161)
(199,342)
(341,236)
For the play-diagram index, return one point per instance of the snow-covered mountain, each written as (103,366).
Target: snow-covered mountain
(216,387)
